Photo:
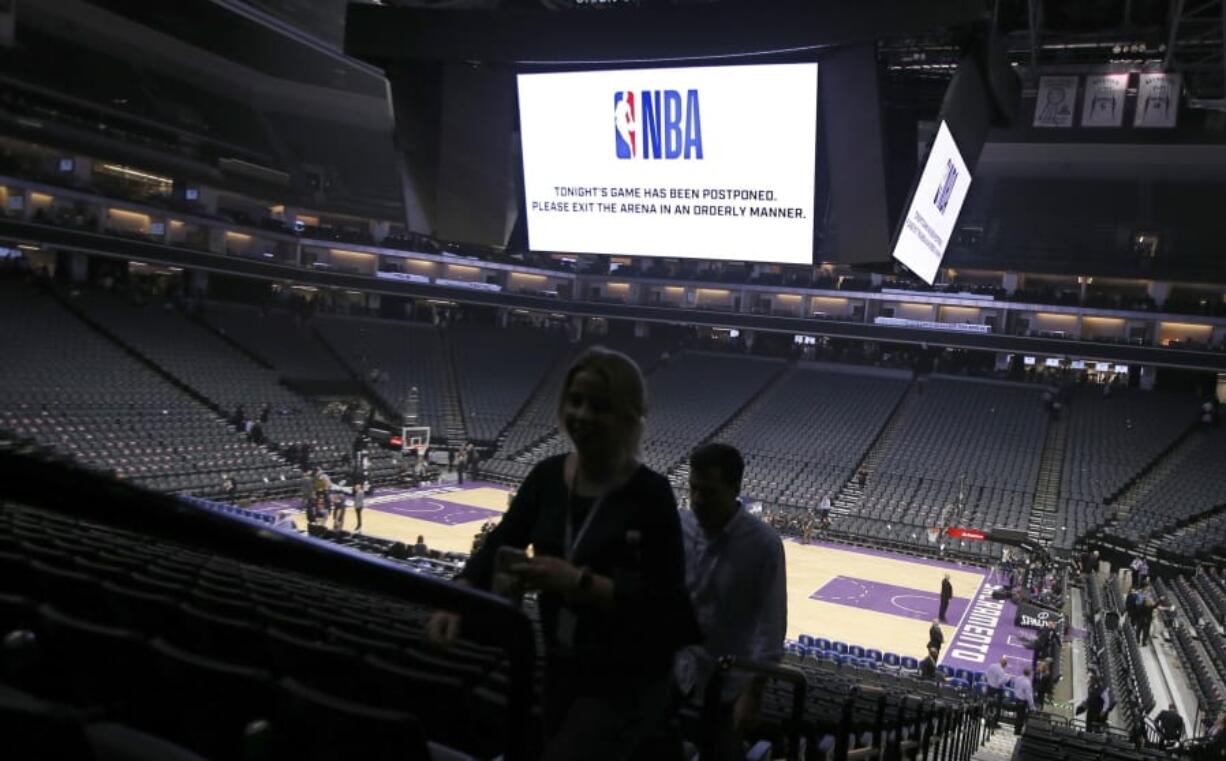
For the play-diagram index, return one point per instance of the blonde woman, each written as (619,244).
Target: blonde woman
(609,564)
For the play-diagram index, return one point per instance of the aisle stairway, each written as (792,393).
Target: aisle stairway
(1045,513)
(847,500)
(453,410)
(998,748)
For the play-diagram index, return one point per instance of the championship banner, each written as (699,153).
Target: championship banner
(1031,616)
(1157,100)
(1104,101)
(1055,103)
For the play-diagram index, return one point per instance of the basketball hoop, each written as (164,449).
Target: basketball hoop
(933,535)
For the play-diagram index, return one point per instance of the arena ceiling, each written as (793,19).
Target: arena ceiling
(1044,36)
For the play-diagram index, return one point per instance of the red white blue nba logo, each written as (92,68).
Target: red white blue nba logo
(625,123)
(657,124)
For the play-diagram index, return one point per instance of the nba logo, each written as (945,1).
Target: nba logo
(625,124)
(946,188)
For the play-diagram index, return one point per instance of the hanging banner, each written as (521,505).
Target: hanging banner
(1104,101)
(1057,98)
(1157,100)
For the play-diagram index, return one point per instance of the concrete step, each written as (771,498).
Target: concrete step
(999,748)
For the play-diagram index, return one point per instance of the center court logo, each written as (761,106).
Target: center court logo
(657,124)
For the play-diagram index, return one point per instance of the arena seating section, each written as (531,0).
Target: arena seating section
(1194,611)
(945,451)
(1048,738)
(278,338)
(222,375)
(68,388)
(1190,487)
(402,356)
(963,453)
(497,371)
(241,628)
(125,618)
(805,438)
(1110,439)
(536,424)
(689,398)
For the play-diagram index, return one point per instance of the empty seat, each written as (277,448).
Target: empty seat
(312,725)
(215,700)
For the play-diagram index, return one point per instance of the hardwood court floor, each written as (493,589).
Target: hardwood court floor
(873,599)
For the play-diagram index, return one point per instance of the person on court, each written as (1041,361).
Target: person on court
(947,593)
(359,503)
(936,638)
(735,573)
(609,564)
(338,512)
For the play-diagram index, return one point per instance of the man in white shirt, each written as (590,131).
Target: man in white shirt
(1023,693)
(735,576)
(996,679)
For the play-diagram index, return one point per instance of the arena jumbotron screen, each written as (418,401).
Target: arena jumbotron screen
(710,162)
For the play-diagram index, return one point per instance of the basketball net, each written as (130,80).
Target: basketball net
(933,535)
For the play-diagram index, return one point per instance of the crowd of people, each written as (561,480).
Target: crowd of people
(1142,601)
(806,524)
(324,499)
(1034,578)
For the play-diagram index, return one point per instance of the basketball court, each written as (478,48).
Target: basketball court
(865,597)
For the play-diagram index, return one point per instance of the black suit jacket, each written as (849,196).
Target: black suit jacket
(635,539)
(936,638)
(947,590)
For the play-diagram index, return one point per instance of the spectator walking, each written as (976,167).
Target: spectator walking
(1043,683)
(1023,694)
(1145,614)
(1097,704)
(1170,726)
(995,677)
(609,564)
(736,579)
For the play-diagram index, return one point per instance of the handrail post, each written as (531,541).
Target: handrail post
(711,698)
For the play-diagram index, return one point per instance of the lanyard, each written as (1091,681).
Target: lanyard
(570,539)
